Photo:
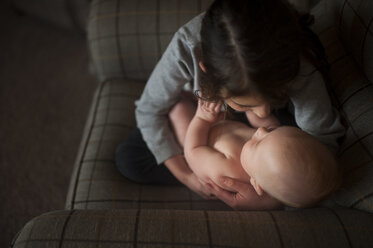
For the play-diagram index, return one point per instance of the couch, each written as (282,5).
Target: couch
(104,209)
(66,14)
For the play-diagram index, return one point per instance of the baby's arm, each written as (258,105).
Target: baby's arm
(202,159)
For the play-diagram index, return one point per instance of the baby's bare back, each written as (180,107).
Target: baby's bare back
(228,137)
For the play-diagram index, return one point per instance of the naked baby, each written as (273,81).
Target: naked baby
(284,166)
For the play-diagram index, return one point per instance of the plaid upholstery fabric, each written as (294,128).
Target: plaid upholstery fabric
(127,38)
(353,91)
(63,13)
(356,31)
(96,183)
(174,228)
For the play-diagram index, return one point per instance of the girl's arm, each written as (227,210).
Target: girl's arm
(175,69)
(161,92)
(313,110)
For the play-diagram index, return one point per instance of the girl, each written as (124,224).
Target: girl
(260,58)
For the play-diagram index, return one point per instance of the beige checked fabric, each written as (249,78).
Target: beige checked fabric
(127,38)
(177,228)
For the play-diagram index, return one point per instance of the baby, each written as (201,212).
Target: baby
(285,166)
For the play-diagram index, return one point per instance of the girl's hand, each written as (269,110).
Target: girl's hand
(200,187)
(209,111)
(180,169)
(245,197)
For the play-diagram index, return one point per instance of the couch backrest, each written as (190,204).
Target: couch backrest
(128,37)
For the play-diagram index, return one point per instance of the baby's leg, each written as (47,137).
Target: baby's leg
(181,115)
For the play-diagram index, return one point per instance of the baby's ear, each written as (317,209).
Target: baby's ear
(256,186)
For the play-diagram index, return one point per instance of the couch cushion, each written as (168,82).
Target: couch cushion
(172,228)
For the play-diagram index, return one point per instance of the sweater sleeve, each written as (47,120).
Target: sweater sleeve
(314,112)
(162,91)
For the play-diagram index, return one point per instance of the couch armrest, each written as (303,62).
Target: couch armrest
(172,228)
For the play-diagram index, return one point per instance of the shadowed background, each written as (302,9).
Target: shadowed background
(45,93)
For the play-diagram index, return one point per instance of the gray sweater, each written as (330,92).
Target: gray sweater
(178,70)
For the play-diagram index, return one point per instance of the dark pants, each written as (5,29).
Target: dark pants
(135,161)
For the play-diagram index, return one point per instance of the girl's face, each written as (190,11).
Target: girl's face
(249,103)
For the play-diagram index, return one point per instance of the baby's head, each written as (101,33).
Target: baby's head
(290,165)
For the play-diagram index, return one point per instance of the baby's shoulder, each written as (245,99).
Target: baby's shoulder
(228,125)
(227,131)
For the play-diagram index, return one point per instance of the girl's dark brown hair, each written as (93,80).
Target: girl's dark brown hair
(253,47)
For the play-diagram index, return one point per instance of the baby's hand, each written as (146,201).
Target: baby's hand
(209,111)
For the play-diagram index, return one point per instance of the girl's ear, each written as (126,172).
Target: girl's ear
(202,66)
(256,186)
